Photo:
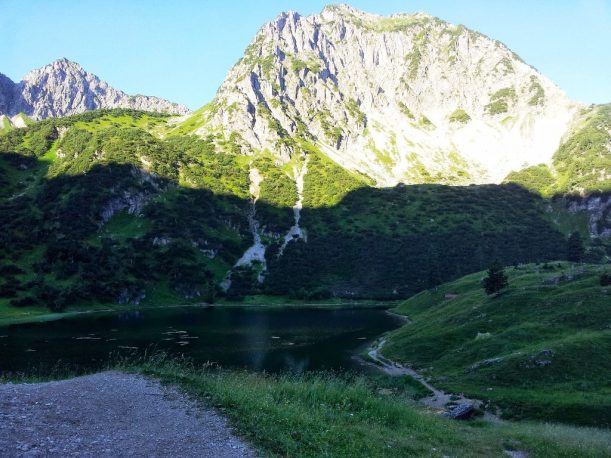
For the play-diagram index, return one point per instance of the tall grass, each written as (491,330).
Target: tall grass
(324,414)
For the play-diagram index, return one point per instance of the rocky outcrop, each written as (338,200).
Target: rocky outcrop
(462,411)
(7,88)
(64,88)
(405,98)
(598,208)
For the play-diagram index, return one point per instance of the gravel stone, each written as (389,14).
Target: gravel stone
(111,414)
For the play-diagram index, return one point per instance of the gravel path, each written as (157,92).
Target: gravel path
(110,414)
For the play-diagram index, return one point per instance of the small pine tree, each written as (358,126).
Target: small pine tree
(496,279)
(575,250)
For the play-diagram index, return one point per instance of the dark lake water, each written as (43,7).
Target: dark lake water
(293,339)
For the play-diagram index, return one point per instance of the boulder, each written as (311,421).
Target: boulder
(462,411)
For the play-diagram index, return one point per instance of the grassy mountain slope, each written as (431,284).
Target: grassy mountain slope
(582,163)
(397,241)
(94,209)
(107,207)
(539,350)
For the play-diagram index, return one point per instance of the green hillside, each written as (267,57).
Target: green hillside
(582,163)
(538,350)
(94,209)
(115,206)
(395,242)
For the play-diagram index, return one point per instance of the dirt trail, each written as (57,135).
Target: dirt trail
(110,414)
(438,400)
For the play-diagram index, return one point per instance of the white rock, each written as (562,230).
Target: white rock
(64,88)
(357,73)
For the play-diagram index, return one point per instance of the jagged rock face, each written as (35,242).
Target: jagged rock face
(64,88)
(6,93)
(406,98)
(598,208)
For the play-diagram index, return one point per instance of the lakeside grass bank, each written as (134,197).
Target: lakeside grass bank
(10,315)
(326,414)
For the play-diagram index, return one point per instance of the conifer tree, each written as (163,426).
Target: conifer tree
(496,279)
(575,250)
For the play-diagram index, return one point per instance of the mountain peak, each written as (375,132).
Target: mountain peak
(404,98)
(346,12)
(63,88)
(371,21)
(64,61)
(62,65)
(342,8)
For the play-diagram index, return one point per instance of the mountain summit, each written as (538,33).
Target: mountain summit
(64,88)
(406,98)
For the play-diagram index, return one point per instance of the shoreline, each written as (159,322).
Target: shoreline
(51,316)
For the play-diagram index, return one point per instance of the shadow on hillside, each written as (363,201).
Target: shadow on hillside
(381,243)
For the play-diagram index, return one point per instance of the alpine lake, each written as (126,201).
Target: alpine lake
(272,339)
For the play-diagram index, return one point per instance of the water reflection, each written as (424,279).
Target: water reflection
(261,339)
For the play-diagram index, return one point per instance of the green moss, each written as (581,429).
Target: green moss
(314,65)
(425,122)
(382,156)
(406,111)
(326,183)
(413,60)
(389,24)
(505,93)
(6,125)
(355,111)
(277,193)
(537,91)
(497,107)
(459,115)
(504,66)
(274,124)
(500,100)
(195,121)
(332,131)
(256,55)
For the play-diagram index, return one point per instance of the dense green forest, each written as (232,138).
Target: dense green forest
(114,206)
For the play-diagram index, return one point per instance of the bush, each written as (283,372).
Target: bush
(575,250)
(496,279)
(460,116)
(25,301)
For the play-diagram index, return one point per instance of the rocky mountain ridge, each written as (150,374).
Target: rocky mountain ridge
(405,98)
(64,88)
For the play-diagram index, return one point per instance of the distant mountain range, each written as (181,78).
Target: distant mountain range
(64,88)
(408,98)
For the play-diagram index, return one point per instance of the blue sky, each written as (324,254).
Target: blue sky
(181,49)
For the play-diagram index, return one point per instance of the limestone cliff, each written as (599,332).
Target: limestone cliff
(64,88)
(405,98)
